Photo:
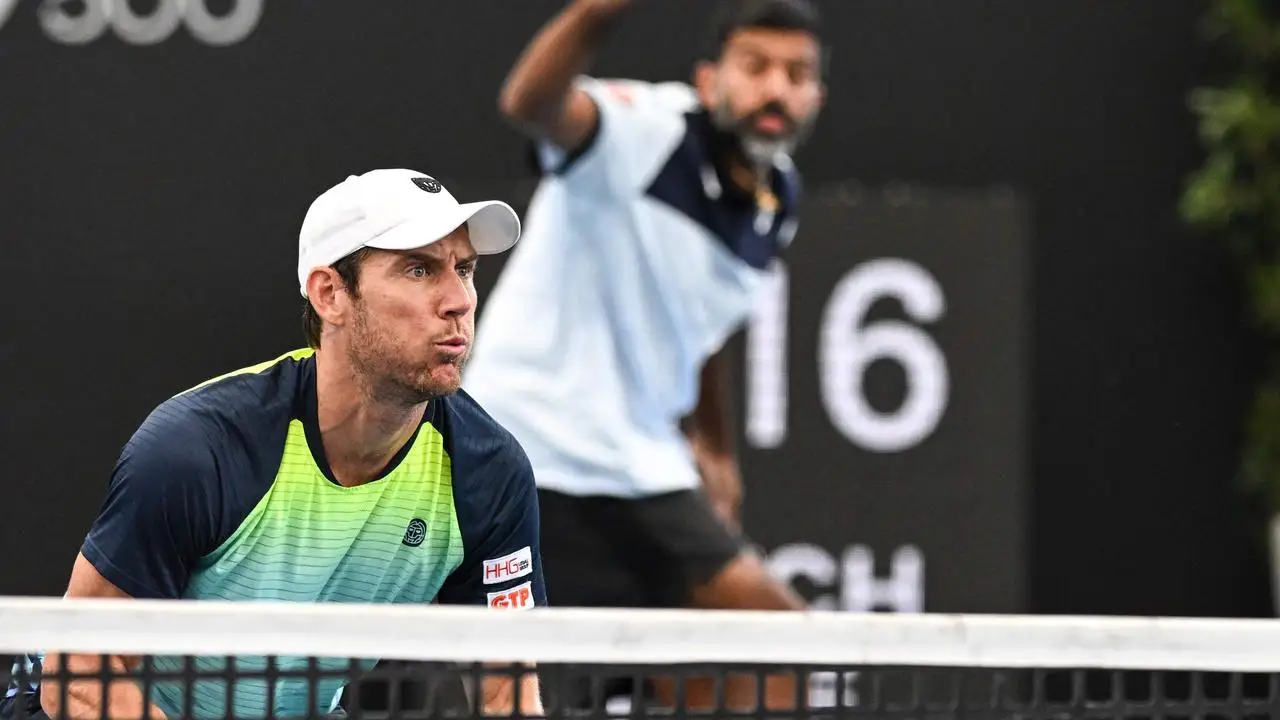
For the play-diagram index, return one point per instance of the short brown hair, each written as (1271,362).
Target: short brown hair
(349,270)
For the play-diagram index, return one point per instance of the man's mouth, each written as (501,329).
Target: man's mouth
(453,345)
(772,124)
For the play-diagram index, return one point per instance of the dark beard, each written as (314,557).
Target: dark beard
(760,151)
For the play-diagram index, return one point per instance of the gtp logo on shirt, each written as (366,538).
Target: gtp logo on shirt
(519,597)
(508,567)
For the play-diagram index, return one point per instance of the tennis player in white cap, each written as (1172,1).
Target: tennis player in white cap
(353,470)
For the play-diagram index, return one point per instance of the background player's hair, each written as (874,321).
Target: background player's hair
(734,15)
(349,270)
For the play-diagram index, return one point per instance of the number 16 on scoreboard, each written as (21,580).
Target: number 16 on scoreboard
(847,346)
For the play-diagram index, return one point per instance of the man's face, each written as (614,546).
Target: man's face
(414,320)
(766,89)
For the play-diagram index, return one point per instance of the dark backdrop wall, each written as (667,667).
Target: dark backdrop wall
(150,194)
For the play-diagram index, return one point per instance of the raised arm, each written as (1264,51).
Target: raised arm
(538,95)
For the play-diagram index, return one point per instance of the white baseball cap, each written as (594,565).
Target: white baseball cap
(396,210)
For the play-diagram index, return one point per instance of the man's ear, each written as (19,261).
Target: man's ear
(327,295)
(704,81)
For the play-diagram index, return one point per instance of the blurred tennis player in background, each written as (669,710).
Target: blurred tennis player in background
(660,208)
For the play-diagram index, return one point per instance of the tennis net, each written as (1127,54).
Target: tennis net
(225,660)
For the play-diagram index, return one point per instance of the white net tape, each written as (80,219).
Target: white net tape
(570,635)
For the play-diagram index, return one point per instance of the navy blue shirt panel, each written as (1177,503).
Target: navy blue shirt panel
(189,476)
(730,215)
(495,499)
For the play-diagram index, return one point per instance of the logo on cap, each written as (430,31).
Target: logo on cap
(431,185)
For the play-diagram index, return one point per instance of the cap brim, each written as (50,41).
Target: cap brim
(492,225)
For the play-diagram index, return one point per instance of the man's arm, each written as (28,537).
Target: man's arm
(84,696)
(711,436)
(160,514)
(538,95)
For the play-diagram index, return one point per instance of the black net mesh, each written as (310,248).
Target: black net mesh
(207,687)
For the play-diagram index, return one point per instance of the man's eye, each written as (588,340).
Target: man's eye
(800,73)
(418,271)
(754,64)
(466,270)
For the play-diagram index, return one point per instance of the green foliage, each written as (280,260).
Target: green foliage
(1235,196)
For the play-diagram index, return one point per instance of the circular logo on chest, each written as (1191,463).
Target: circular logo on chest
(415,533)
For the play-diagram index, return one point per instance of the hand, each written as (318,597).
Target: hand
(498,695)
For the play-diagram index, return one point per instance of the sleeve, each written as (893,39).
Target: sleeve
(502,568)
(640,124)
(157,518)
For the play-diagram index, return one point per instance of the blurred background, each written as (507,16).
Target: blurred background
(1007,365)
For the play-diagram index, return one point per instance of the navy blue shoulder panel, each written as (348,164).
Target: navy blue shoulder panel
(188,477)
(496,503)
(692,183)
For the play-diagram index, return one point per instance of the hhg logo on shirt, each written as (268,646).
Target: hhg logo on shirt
(415,533)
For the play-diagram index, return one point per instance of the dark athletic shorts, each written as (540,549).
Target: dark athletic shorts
(648,552)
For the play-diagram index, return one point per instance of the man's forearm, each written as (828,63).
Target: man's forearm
(711,437)
(711,429)
(538,86)
(84,696)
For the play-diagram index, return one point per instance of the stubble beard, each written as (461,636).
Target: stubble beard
(383,374)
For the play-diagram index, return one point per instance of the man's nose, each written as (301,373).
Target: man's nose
(455,297)
(775,84)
